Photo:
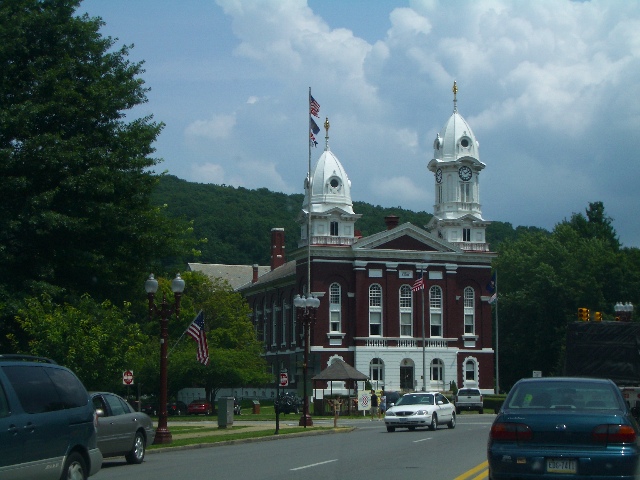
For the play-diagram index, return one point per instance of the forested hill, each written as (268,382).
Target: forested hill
(237,222)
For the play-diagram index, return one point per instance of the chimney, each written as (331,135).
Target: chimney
(391,221)
(277,247)
(255,273)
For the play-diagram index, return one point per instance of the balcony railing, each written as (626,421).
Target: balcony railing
(403,342)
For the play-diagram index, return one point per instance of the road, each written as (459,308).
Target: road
(367,452)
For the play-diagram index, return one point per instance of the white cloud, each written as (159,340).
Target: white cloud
(219,126)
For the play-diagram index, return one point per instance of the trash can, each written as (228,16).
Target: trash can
(256,407)
(225,412)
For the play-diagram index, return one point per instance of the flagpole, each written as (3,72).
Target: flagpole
(497,364)
(424,351)
(309,209)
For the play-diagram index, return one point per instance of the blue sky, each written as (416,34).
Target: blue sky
(551,89)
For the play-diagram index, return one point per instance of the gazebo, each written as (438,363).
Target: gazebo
(339,370)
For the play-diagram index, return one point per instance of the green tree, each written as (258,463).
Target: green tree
(234,351)
(543,280)
(75,169)
(96,340)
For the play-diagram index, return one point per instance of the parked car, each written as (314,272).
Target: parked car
(121,430)
(468,399)
(198,407)
(150,407)
(420,409)
(177,408)
(392,397)
(564,428)
(47,423)
(288,402)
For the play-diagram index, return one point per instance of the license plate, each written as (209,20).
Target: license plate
(561,465)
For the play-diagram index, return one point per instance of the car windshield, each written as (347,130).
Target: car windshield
(563,396)
(411,399)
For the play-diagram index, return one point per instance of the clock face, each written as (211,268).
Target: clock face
(439,175)
(465,173)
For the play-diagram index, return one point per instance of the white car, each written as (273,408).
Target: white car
(420,409)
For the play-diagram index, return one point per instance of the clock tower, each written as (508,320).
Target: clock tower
(457,216)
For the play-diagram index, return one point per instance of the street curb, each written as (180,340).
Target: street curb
(251,440)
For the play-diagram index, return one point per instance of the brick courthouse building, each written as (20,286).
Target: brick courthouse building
(369,316)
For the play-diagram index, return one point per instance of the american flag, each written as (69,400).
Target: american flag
(314,107)
(418,284)
(196,331)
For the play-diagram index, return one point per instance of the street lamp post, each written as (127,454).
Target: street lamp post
(306,315)
(163,435)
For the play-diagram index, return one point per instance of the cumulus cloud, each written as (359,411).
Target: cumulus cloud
(219,126)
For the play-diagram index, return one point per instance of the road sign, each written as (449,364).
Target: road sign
(284,379)
(127,377)
(364,401)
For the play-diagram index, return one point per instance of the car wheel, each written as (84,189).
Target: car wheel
(434,422)
(391,429)
(136,455)
(452,422)
(75,468)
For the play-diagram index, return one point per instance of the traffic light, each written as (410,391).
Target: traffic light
(597,316)
(583,314)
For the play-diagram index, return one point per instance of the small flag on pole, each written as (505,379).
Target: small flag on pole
(314,107)
(493,299)
(418,284)
(312,140)
(313,126)
(491,286)
(196,331)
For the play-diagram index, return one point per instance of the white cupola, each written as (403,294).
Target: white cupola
(457,214)
(328,200)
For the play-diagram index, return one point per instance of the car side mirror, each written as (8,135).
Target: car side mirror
(440,402)
(100,412)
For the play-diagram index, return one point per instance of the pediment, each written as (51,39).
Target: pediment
(405,237)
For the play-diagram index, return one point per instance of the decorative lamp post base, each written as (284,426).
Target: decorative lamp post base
(163,437)
(305,420)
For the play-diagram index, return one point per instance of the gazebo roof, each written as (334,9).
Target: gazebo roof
(340,370)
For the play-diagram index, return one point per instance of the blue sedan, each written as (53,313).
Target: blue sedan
(569,428)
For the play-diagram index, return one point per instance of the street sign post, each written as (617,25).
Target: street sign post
(127,377)
(284,379)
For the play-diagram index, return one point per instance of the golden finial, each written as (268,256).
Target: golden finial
(326,124)
(455,100)
(326,135)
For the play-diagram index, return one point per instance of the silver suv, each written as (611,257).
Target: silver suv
(47,424)
(468,399)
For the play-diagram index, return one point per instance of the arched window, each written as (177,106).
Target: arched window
(469,311)
(406,311)
(470,370)
(437,367)
(335,308)
(435,311)
(376,371)
(375,310)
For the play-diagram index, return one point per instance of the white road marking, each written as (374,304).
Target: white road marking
(313,465)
